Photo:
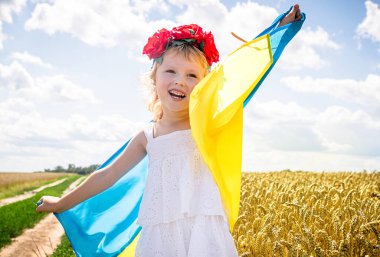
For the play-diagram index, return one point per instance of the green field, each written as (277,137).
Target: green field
(16,217)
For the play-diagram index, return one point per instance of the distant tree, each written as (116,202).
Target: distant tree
(71,168)
(59,169)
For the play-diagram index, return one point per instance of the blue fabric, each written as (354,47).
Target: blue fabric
(279,38)
(105,224)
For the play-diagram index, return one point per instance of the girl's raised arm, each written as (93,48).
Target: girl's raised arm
(99,180)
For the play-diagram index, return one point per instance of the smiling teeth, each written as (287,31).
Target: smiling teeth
(176,93)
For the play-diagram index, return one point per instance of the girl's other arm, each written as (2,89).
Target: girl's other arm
(99,180)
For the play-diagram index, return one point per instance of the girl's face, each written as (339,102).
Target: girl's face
(175,79)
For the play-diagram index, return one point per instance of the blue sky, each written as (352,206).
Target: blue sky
(70,80)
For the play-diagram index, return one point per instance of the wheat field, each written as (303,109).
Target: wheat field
(8,179)
(309,214)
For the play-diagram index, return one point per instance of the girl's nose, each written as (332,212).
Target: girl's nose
(179,81)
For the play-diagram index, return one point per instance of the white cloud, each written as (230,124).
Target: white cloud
(36,130)
(214,16)
(207,14)
(7,8)
(283,112)
(282,126)
(111,23)
(366,92)
(3,37)
(26,129)
(54,88)
(147,6)
(26,57)
(370,26)
(345,131)
(286,135)
(106,23)
(15,76)
(319,37)
(302,51)
(307,161)
(106,128)
(291,127)
(49,141)
(75,18)
(58,88)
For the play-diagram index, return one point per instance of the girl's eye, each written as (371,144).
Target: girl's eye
(170,71)
(192,75)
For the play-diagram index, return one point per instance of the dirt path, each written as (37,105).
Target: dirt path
(41,240)
(28,194)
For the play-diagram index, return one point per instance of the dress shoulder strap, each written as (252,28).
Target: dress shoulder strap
(148,131)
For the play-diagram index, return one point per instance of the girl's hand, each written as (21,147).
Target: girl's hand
(293,15)
(49,204)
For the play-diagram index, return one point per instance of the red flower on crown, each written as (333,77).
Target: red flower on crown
(186,34)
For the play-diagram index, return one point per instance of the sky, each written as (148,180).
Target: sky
(71,71)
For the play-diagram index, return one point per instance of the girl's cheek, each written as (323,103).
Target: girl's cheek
(167,77)
(194,83)
(192,87)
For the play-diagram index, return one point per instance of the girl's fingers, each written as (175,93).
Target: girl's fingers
(298,15)
(38,204)
(297,12)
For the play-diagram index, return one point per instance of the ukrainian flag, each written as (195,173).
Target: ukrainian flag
(105,224)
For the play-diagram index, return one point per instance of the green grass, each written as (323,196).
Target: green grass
(15,217)
(64,249)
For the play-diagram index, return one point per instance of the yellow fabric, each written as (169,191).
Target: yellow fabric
(216,116)
(129,251)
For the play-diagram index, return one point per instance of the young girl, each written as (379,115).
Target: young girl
(181,212)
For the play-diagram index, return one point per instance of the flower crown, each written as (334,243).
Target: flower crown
(187,34)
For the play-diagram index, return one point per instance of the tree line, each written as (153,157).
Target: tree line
(71,168)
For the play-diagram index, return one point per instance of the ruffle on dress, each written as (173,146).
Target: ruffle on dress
(197,236)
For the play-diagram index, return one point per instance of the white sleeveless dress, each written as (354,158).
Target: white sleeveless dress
(181,213)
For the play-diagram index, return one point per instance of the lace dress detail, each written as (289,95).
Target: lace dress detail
(181,213)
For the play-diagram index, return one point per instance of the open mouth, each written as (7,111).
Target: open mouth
(176,94)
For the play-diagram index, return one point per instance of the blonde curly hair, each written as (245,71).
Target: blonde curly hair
(152,101)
